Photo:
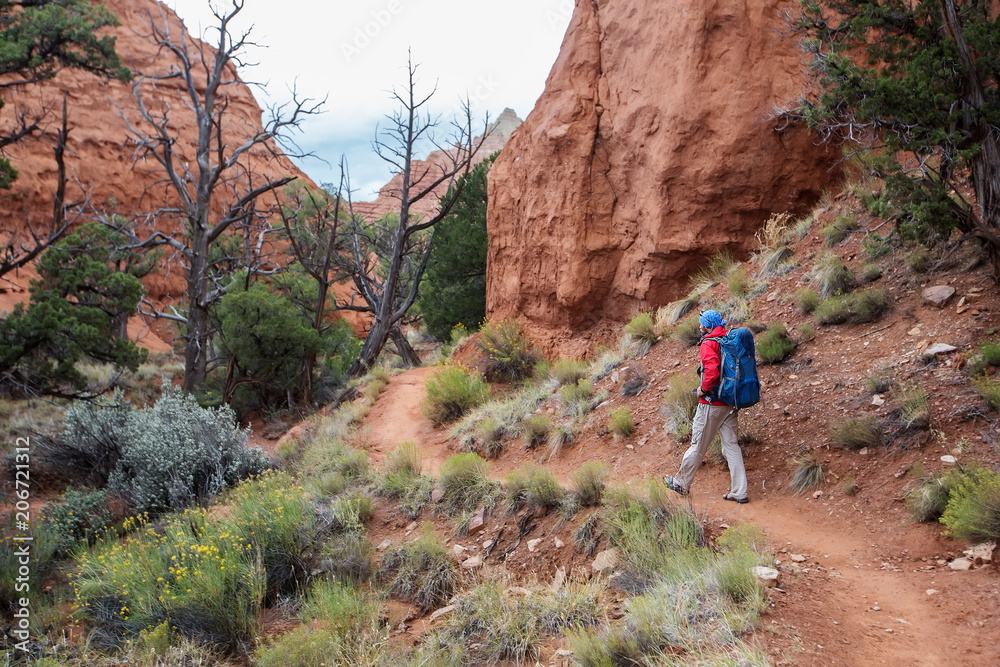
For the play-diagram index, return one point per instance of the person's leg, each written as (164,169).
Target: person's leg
(728,432)
(703,430)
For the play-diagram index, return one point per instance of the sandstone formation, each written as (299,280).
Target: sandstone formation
(101,157)
(648,151)
(497,135)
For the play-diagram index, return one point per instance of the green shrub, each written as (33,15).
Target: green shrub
(876,245)
(465,484)
(78,519)
(855,308)
(832,275)
(561,435)
(927,502)
(806,299)
(499,628)
(419,572)
(868,305)
(807,474)
(856,434)
(89,445)
(778,261)
(620,422)
(339,607)
(207,577)
(834,310)
(807,331)
(410,489)
(588,482)
(406,459)
(688,332)
(175,453)
(278,526)
(44,551)
(489,437)
(990,351)
(642,329)
(870,273)
(973,511)
(775,345)
(914,409)
(578,398)
(268,338)
(718,267)
(374,382)
(918,260)
(350,512)
(536,429)
(342,628)
(533,486)
(568,371)
(739,282)
(328,455)
(679,404)
(839,230)
(452,391)
(989,389)
(881,380)
(509,355)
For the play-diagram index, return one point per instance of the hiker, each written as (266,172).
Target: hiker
(712,417)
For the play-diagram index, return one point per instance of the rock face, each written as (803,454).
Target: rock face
(100,157)
(497,135)
(648,151)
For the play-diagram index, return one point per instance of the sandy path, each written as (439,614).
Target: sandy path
(397,416)
(860,599)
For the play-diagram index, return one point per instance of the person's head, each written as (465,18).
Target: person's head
(709,320)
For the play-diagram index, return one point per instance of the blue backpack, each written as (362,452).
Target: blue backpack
(738,384)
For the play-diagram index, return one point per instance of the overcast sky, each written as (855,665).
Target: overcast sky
(354,53)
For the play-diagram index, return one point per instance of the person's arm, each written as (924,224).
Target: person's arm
(710,364)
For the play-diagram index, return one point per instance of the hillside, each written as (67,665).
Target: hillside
(862,582)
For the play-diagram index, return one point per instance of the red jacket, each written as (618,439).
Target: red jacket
(711,360)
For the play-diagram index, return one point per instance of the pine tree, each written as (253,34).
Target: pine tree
(916,84)
(454,288)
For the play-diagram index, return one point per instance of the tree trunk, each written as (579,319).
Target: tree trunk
(403,347)
(196,345)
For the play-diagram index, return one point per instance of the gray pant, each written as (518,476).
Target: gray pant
(709,420)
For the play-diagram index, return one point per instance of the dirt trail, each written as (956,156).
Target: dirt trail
(397,416)
(860,596)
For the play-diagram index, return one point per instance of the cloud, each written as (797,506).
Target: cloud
(354,54)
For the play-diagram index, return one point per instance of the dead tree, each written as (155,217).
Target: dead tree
(312,225)
(214,168)
(386,258)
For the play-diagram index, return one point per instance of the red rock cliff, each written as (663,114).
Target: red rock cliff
(647,152)
(100,159)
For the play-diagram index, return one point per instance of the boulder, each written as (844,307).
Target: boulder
(472,563)
(939,348)
(938,295)
(605,560)
(648,152)
(768,577)
(478,522)
(960,564)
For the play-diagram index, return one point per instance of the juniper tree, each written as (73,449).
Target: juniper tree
(454,287)
(77,308)
(915,83)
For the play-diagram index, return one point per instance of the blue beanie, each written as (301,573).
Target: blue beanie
(711,319)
